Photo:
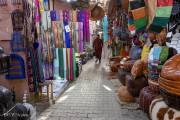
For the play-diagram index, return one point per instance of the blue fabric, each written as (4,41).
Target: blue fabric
(105,28)
(156,52)
(67,36)
(53,15)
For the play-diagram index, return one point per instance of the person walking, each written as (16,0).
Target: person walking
(98,45)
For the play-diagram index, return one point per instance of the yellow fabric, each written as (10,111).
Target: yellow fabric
(145,52)
(41,3)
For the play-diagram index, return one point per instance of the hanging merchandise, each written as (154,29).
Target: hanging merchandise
(105,29)
(17,20)
(67,63)
(46,20)
(161,15)
(17,42)
(83,16)
(137,16)
(17,68)
(81,43)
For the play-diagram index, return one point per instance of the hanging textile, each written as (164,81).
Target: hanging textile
(65,63)
(61,62)
(56,65)
(161,12)
(81,43)
(105,29)
(66,28)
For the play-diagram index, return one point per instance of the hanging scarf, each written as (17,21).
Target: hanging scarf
(71,63)
(74,65)
(56,65)
(65,63)
(164,54)
(61,62)
(105,29)
(156,53)
(145,52)
(81,44)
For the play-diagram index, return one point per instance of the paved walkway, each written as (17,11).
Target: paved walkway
(91,97)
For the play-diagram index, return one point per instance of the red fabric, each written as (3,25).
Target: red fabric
(98,44)
(161,3)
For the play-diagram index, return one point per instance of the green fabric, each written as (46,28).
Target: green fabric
(74,64)
(164,11)
(164,54)
(160,21)
(155,28)
(130,21)
(61,62)
(68,56)
(140,23)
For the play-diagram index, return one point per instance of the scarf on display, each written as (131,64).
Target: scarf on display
(56,65)
(61,62)
(65,63)
(46,20)
(156,53)
(37,15)
(164,54)
(105,29)
(66,28)
(145,52)
(81,37)
(83,16)
(46,5)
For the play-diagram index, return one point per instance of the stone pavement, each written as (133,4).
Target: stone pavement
(91,97)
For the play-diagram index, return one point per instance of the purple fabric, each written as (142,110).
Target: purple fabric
(53,15)
(37,11)
(80,37)
(87,26)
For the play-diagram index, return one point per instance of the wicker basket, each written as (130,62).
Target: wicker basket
(171,99)
(154,85)
(146,97)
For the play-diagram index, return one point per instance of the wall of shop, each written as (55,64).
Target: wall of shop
(20,86)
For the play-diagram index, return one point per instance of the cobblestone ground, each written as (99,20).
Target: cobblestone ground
(91,97)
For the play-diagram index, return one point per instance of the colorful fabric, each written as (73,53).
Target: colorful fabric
(156,53)
(161,3)
(160,21)
(56,65)
(140,23)
(53,15)
(145,52)
(164,54)
(164,11)
(61,62)
(105,29)
(65,63)
(139,13)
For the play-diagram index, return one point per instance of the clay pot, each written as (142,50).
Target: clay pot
(122,76)
(124,95)
(134,86)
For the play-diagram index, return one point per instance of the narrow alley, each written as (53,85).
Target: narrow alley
(91,97)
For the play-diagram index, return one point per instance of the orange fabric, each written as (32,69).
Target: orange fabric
(139,13)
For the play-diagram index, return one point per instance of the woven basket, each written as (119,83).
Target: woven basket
(154,85)
(171,99)
(146,97)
